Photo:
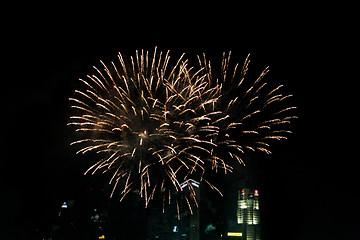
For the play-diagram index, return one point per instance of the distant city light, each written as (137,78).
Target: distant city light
(64,205)
(175,229)
(234,234)
(256,192)
(102,237)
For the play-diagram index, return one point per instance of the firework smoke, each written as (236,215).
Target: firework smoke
(156,123)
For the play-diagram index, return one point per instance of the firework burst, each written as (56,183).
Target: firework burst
(156,124)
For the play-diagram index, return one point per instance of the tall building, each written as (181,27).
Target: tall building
(194,219)
(248,214)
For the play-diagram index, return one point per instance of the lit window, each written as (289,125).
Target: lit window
(242,204)
(234,234)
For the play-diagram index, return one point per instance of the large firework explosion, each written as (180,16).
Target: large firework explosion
(155,123)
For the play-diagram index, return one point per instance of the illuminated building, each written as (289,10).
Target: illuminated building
(248,214)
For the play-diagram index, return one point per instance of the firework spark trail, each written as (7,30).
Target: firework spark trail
(253,111)
(132,112)
(158,123)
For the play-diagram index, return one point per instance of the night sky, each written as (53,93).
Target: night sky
(307,185)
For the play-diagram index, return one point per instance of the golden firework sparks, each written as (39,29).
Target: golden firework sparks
(155,123)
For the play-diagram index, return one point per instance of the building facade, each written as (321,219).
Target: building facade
(248,214)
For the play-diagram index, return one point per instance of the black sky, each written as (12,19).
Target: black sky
(308,184)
